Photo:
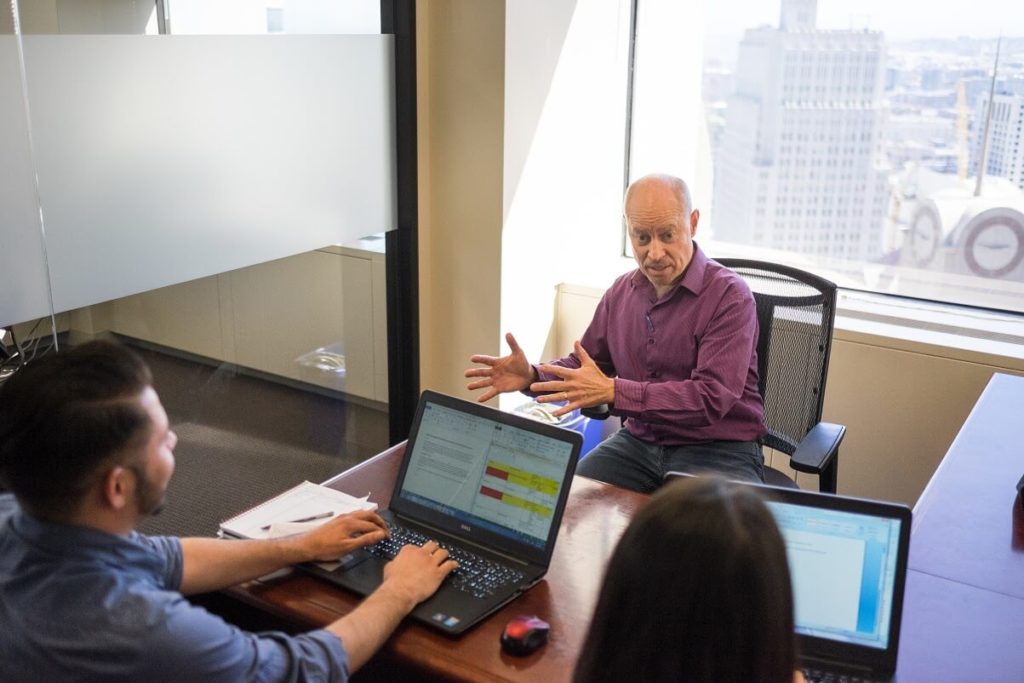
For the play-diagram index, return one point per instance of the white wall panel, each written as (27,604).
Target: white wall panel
(564,131)
(23,291)
(162,159)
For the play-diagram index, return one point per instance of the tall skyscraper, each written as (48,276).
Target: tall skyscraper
(1005,137)
(799,166)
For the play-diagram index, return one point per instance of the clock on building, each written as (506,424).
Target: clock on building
(924,236)
(995,242)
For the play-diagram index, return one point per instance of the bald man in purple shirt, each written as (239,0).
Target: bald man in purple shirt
(671,349)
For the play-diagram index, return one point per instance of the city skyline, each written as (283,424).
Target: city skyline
(843,146)
(898,20)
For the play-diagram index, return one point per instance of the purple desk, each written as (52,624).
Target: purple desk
(963,618)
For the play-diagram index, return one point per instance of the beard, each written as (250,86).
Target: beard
(150,498)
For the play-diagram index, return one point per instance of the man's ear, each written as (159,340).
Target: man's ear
(117,486)
(694,217)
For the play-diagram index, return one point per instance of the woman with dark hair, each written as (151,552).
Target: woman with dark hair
(697,589)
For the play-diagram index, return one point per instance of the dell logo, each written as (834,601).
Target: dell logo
(465,527)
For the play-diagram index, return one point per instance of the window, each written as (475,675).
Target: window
(191,17)
(880,120)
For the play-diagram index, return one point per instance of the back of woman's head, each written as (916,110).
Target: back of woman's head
(697,590)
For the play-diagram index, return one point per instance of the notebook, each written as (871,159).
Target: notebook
(298,509)
(478,481)
(848,566)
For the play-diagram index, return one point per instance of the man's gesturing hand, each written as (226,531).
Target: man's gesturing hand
(581,387)
(507,373)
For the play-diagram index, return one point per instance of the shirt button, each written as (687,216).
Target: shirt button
(650,341)
(654,375)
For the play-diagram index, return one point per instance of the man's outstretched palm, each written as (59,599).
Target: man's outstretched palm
(501,375)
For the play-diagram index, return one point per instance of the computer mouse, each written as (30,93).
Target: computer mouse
(524,634)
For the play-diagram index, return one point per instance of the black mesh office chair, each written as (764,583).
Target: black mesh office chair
(795,312)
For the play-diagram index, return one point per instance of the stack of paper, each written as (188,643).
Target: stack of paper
(298,509)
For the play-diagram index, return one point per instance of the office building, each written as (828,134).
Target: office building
(1005,138)
(799,163)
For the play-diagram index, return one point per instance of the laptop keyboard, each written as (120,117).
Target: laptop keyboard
(818,676)
(475,575)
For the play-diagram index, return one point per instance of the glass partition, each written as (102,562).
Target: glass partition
(218,203)
(26,313)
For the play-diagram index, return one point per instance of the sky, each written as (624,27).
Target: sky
(899,19)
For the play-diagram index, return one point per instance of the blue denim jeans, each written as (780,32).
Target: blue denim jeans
(626,461)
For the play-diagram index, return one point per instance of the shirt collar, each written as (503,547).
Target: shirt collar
(692,279)
(693,276)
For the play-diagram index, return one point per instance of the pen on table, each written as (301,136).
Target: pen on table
(322,515)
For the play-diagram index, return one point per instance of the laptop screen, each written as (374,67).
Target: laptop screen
(844,572)
(487,473)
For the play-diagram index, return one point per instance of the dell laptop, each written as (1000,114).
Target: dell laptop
(491,488)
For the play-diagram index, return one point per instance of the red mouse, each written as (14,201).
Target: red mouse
(524,634)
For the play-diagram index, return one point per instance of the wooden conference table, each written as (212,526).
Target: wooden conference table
(963,616)
(595,516)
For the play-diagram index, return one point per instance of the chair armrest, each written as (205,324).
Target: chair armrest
(817,449)
(599,412)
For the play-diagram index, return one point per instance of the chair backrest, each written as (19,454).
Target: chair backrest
(796,313)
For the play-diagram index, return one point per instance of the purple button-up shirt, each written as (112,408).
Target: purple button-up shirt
(685,366)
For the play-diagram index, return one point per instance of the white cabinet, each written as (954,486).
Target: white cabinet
(318,317)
